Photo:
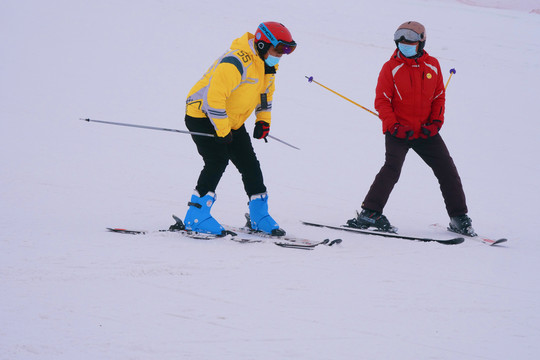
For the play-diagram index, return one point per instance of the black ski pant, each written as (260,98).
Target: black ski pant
(216,157)
(435,154)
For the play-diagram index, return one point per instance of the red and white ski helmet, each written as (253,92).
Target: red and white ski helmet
(273,33)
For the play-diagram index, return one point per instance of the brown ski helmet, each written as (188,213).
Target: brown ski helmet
(411,31)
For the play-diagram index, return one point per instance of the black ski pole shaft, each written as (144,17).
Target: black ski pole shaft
(149,127)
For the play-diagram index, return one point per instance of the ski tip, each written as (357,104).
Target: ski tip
(492,242)
(125,231)
(117,229)
(335,242)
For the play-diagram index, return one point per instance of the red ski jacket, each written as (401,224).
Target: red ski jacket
(410,92)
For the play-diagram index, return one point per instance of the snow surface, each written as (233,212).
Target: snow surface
(71,290)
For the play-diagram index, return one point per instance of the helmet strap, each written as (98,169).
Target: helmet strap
(262,48)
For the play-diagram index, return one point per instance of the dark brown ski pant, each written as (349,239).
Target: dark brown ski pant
(435,154)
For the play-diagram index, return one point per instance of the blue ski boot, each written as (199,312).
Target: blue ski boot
(198,216)
(260,219)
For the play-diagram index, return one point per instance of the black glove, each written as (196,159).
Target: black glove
(227,139)
(431,129)
(262,128)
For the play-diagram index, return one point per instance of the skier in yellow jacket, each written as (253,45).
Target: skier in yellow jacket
(238,83)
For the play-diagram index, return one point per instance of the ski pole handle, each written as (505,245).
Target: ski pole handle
(452,72)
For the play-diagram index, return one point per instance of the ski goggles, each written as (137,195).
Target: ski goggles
(282,47)
(408,35)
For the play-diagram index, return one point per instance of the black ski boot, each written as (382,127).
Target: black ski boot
(369,218)
(461,224)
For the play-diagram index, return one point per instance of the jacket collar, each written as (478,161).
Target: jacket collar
(267,69)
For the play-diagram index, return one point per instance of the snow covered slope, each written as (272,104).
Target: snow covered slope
(70,290)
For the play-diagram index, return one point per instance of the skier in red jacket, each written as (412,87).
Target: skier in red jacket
(410,98)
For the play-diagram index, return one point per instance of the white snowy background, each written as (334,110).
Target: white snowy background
(71,290)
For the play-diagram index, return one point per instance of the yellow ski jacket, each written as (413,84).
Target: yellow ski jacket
(232,88)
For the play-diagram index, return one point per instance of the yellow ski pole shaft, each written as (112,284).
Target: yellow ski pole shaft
(310,79)
(452,72)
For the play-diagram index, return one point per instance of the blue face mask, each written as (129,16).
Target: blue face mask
(407,49)
(272,60)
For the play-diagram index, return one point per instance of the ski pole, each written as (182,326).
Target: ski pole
(283,142)
(148,127)
(173,130)
(310,79)
(452,72)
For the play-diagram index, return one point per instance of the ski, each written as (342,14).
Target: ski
(281,240)
(483,239)
(285,243)
(189,234)
(231,237)
(295,241)
(291,239)
(453,241)
(246,236)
